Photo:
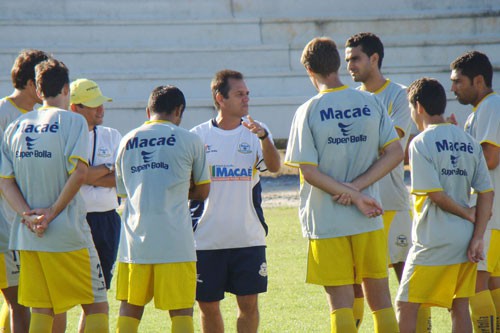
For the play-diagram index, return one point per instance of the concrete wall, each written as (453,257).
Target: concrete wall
(129,47)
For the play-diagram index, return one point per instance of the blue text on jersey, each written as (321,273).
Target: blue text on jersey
(135,142)
(344,114)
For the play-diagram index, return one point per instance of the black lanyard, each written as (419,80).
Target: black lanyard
(93,148)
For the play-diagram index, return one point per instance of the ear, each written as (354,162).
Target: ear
(65,90)
(179,110)
(374,59)
(72,107)
(478,81)
(219,98)
(420,109)
(148,113)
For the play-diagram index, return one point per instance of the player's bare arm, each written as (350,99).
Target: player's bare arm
(367,205)
(392,155)
(101,175)
(483,210)
(70,189)
(199,192)
(446,203)
(271,154)
(491,155)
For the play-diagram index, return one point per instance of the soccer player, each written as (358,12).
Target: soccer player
(22,100)
(471,82)
(335,138)
(155,166)
(42,169)
(230,235)
(364,53)
(99,190)
(445,164)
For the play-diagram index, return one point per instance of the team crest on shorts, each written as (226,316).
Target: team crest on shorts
(402,241)
(244,148)
(263,269)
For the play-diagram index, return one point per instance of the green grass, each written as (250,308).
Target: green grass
(290,305)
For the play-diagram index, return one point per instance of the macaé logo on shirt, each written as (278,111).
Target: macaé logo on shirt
(39,128)
(329,113)
(30,143)
(345,129)
(244,148)
(147,156)
(454,160)
(136,142)
(230,173)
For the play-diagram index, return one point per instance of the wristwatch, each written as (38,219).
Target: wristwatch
(110,167)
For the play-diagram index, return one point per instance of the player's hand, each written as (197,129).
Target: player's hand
(367,205)
(471,214)
(475,252)
(452,119)
(342,199)
(39,224)
(33,222)
(254,127)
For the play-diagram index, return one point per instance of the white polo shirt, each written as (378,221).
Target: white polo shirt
(103,146)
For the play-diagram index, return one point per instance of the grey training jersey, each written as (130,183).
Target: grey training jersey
(154,167)
(393,191)
(8,113)
(341,131)
(444,158)
(40,150)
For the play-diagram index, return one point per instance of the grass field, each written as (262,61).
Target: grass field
(290,305)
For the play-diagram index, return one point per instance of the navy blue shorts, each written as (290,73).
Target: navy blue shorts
(241,271)
(105,227)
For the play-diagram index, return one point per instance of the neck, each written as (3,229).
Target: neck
(374,83)
(227,123)
(22,100)
(331,81)
(163,117)
(56,102)
(433,120)
(484,92)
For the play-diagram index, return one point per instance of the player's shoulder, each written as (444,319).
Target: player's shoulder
(492,104)
(203,127)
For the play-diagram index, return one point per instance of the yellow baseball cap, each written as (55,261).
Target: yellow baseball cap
(87,92)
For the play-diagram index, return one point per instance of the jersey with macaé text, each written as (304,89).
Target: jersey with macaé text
(393,191)
(9,111)
(232,217)
(154,167)
(40,150)
(341,131)
(444,158)
(484,125)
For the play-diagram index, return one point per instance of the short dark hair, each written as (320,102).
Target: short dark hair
(165,99)
(472,64)
(321,56)
(23,69)
(51,76)
(220,83)
(370,44)
(429,93)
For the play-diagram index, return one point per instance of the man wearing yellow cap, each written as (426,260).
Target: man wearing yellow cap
(99,191)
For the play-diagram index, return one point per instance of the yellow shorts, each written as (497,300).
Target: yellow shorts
(61,280)
(173,285)
(492,250)
(347,260)
(9,269)
(437,285)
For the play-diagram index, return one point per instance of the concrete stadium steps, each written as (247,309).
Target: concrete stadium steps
(136,33)
(129,47)
(214,9)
